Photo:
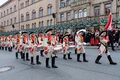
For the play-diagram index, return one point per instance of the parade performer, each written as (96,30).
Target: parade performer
(25,44)
(3,42)
(18,45)
(49,49)
(80,46)
(6,43)
(104,39)
(40,42)
(66,46)
(33,49)
(10,43)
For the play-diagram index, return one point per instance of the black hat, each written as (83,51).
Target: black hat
(48,30)
(17,33)
(31,33)
(24,32)
(102,32)
(53,34)
(65,36)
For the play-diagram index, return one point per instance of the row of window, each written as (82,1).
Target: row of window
(9,22)
(34,14)
(65,3)
(77,14)
(27,3)
(41,23)
(34,25)
(8,11)
(107,7)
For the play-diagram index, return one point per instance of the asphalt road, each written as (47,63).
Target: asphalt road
(68,70)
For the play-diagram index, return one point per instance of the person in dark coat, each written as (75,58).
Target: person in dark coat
(111,39)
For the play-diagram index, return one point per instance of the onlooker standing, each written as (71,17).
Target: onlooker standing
(111,39)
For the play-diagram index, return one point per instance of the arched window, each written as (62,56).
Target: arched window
(27,26)
(22,17)
(33,14)
(49,9)
(33,25)
(40,12)
(85,12)
(80,13)
(27,16)
(41,24)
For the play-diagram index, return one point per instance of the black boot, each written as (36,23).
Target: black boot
(47,63)
(5,48)
(11,49)
(23,54)
(41,53)
(32,61)
(27,57)
(16,54)
(84,58)
(69,56)
(75,50)
(97,60)
(78,58)
(53,63)
(64,57)
(37,60)
(110,60)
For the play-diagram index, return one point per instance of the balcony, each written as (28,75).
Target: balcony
(80,2)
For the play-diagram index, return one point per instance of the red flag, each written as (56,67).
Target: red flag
(108,25)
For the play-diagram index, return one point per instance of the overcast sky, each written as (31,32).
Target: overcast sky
(2,1)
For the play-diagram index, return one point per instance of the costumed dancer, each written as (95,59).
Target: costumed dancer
(79,39)
(104,39)
(33,49)
(66,46)
(49,49)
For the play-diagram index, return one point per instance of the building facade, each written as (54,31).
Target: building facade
(27,14)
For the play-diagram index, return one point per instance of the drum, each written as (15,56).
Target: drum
(39,48)
(71,47)
(58,48)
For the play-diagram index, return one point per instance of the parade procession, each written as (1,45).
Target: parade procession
(59,39)
(31,46)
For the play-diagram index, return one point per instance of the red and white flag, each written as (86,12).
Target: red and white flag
(108,25)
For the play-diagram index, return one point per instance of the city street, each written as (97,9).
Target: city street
(68,70)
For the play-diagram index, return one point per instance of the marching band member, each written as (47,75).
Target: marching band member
(33,49)
(104,39)
(2,42)
(6,43)
(40,42)
(10,43)
(19,46)
(26,44)
(80,46)
(49,49)
(25,40)
(66,47)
